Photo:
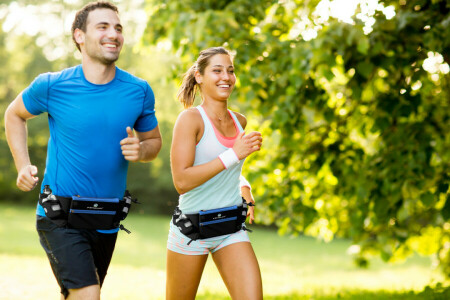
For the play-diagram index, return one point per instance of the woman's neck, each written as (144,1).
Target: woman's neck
(216,109)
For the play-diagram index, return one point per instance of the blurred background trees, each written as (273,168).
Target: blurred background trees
(353,107)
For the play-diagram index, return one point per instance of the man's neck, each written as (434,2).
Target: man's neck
(98,73)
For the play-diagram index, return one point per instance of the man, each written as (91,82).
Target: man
(92,109)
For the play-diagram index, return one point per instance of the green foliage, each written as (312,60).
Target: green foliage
(355,129)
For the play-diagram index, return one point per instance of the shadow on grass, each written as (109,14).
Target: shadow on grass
(439,292)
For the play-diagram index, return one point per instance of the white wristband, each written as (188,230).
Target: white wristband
(228,158)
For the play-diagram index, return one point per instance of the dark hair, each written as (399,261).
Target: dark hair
(189,86)
(80,21)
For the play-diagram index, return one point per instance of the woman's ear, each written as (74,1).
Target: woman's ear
(198,77)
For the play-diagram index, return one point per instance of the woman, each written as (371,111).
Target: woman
(208,150)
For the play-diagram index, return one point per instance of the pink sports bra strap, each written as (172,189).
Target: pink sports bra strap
(224,140)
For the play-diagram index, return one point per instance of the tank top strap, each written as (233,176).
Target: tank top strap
(206,121)
(236,121)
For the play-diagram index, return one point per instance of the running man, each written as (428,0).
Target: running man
(92,110)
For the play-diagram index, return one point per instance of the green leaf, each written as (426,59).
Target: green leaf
(364,68)
(427,199)
(446,209)
(363,45)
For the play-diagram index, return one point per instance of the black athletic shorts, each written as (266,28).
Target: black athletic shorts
(78,257)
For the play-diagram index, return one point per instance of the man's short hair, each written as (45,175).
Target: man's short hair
(81,17)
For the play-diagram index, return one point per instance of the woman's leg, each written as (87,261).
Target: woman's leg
(239,269)
(183,274)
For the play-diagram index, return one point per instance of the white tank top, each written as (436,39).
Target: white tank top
(223,189)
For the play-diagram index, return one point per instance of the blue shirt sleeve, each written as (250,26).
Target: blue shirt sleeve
(147,120)
(35,96)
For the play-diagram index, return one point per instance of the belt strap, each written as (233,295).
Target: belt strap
(188,224)
(57,208)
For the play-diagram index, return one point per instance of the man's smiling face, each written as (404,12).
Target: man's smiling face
(103,38)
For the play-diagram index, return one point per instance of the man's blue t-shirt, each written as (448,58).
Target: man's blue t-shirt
(87,122)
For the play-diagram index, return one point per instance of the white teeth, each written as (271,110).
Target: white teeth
(224,85)
(110,46)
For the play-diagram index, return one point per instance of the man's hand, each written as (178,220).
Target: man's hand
(131,146)
(26,180)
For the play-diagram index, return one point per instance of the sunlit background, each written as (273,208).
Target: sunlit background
(352,181)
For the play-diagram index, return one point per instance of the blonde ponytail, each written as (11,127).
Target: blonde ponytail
(188,89)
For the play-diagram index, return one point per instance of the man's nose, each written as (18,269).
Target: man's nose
(112,33)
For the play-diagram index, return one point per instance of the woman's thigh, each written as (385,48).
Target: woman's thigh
(240,271)
(183,274)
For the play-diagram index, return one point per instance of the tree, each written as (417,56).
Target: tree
(354,119)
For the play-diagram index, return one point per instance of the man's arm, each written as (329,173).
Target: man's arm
(16,117)
(143,147)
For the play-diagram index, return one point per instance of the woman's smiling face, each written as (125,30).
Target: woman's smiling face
(218,79)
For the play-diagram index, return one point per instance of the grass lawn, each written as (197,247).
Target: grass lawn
(292,268)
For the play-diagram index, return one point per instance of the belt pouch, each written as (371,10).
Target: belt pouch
(93,213)
(52,206)
(217,222)
(56,208)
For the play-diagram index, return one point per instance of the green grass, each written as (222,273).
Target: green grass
(292,268)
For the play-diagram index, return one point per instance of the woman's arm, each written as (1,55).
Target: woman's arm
(187,128)
(182,154)
(246,192)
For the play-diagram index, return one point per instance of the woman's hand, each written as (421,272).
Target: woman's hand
(247,144)
(248,197)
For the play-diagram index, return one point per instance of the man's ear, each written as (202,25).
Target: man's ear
(79,36)
(198,77)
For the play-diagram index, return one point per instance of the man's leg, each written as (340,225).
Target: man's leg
(103,245)
(91,292)
(70,254)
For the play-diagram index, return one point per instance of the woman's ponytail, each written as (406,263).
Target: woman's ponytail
(188,89)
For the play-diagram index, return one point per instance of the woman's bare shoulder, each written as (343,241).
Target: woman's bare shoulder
(241,118)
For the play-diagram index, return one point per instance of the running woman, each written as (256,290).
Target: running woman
(208,150)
